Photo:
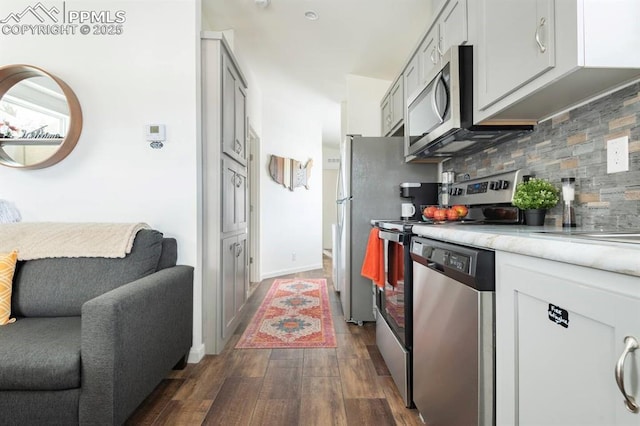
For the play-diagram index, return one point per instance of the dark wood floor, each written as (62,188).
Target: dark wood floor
(348,385)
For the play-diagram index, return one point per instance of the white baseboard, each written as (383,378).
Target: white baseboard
(196,354)
(290,271)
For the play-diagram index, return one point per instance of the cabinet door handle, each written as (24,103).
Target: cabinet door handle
(541,46)
(631,344)
(438,47)
(238,148)
(433,55)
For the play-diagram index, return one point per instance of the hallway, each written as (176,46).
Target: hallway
(347,385)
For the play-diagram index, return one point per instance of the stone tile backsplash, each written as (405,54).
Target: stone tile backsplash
(573,144)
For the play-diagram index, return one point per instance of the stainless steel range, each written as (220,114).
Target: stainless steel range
(394,330)
(489,201)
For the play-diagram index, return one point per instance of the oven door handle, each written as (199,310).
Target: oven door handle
(390,236)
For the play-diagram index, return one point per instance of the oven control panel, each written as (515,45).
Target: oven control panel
(495,189)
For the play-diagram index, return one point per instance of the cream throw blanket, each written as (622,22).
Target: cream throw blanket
(37,240)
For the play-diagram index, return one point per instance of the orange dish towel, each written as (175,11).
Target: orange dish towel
(373,263)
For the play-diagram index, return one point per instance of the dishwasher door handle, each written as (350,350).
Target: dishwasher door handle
(435,266)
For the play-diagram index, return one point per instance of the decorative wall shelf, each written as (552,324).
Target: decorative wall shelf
(289,172)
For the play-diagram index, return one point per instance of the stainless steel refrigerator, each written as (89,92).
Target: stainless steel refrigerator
(371,171)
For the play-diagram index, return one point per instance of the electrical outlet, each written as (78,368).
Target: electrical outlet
(293,257)
(618,155)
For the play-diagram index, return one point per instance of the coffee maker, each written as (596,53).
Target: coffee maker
(420,194)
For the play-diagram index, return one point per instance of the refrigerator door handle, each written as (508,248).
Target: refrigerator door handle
(342,200)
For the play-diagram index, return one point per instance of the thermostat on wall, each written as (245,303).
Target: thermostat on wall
(156,132)
(156,135)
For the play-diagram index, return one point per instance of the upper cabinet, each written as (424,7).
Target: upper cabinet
(534,58)
(234,111)
(448,29)
(412,75)
(530,44)
(392,108)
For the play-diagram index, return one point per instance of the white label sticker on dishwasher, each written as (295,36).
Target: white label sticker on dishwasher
(558,315)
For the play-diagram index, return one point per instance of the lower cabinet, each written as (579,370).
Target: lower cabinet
(234,281)
(561,330)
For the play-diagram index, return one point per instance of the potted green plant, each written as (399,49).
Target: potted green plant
(535,196)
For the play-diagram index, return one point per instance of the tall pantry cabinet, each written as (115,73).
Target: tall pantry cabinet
(225,275)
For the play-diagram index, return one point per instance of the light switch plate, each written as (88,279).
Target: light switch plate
(618,155)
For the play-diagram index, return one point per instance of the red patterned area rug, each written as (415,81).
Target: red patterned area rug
(294,314)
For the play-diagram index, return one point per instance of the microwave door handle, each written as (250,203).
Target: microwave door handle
(439,98)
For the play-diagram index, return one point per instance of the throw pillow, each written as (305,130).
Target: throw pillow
(7,268)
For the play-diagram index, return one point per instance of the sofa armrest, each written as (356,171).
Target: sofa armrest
(131,337)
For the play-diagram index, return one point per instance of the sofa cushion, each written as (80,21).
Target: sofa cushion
(7,269)
(40,354)
(169,255)
(59,286)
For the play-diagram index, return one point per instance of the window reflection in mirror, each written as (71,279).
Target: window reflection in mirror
(34,118)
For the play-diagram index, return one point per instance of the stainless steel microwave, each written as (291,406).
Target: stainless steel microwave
(440,116)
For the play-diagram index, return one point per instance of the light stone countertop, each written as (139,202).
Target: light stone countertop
(623,258)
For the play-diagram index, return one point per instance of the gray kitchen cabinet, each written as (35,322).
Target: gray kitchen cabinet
(449,29)
(561,330)
(412,77)
(453,25)
(397,102)
(429,58)
(392,108)
(224,191)
(235,281)
(234,111)
(234,196)
(516,51)
(385,114)
(534,58)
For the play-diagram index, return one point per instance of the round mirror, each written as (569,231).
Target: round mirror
(40,117)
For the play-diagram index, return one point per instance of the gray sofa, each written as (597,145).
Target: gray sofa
(94,336)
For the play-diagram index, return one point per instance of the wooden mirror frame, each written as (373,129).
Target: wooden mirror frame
(10,75)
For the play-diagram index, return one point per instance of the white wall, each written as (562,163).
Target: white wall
(364,95)
(291,221)
(146,75)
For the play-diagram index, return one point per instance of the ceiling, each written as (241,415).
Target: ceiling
(290,55)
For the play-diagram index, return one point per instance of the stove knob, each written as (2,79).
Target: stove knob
(456,191)
(504,184)
(494,185)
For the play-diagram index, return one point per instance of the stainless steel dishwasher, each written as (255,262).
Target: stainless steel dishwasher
(453,333)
